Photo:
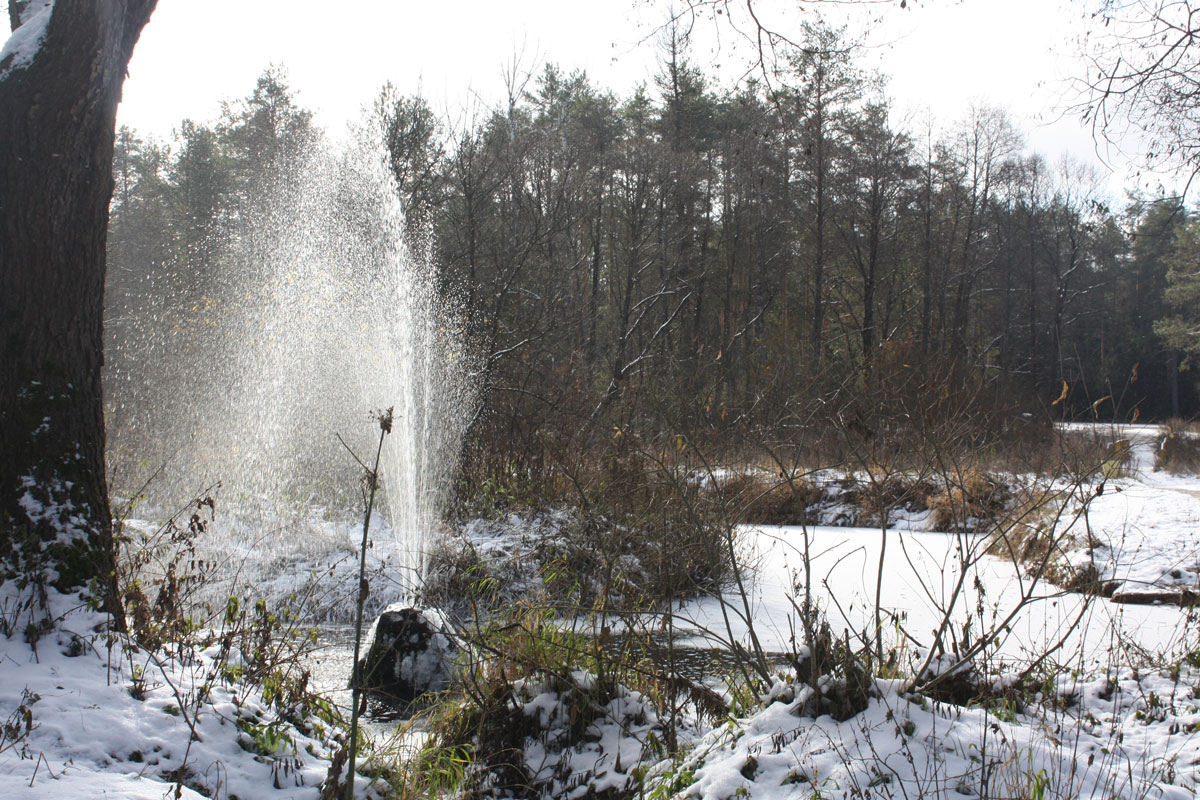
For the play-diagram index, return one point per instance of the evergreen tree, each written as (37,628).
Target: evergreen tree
(1179,328)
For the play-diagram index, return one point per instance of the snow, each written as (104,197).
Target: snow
(1115,712)
(23,44)
(108,719)
(623,734)
(920,571)
(1143,531)
(310,564)
(1104,745)
(1118,718)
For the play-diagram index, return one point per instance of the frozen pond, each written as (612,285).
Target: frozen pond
(920,572)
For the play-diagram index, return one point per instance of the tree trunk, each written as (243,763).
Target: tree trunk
(1173,381)
(818,312)
(57,117)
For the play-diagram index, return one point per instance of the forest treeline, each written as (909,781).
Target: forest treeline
(696,258)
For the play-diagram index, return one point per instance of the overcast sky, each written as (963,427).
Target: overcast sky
(940,54)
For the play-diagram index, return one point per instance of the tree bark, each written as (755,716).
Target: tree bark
(57,118)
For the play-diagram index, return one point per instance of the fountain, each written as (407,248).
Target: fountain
(313,314)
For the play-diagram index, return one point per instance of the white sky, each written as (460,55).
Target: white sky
(941,54)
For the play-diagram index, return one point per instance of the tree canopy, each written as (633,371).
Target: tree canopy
(698,257)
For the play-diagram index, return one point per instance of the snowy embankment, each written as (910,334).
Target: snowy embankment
(1141,534)
(1111,712)
(920,574)
(1121,735)
(85,714)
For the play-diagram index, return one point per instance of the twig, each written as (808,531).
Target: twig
(40,761)
(385,427)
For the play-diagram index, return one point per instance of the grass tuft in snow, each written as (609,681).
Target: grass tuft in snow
(541,712)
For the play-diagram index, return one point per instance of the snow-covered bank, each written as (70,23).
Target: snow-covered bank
(1142,532)
(1111,712)
(1125,735)
(87,715)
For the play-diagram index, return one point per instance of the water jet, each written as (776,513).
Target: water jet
(311,305)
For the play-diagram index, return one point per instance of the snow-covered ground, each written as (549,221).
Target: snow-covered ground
(1143,531)
(1117,717)
(307,563)
(86,715)
(1114,712)
(1122,735)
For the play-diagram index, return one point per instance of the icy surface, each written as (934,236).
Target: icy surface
(920,572)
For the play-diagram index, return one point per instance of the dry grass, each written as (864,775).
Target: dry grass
(1028,536)
(1179,449)
(970,495)
(755,499)
(959,502)
(881,493)
(1180,425)
(1087,452)
(1035,547)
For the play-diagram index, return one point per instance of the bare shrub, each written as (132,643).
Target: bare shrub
(753,498)
(882,492)
(457,577)
(624,526)
(1178,450)
(530,713)
(971,495)
(1093,450)
(164,563)
(837,678)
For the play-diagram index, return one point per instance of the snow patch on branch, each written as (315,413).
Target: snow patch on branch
(25,42)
